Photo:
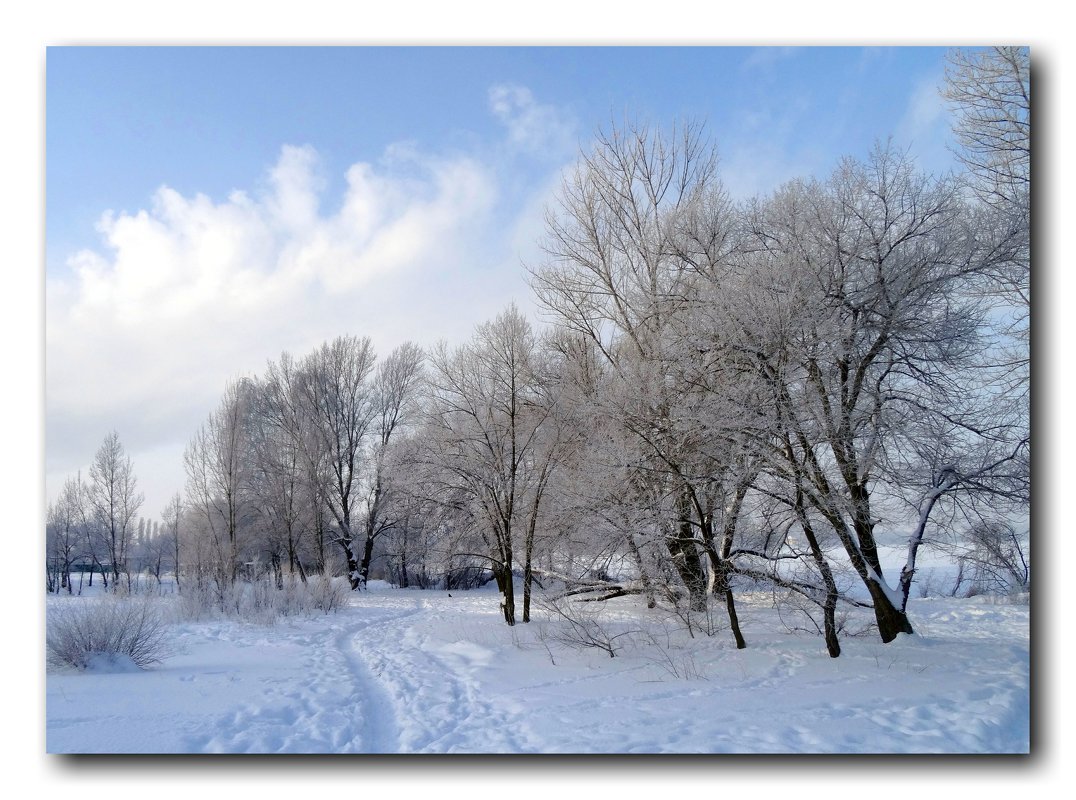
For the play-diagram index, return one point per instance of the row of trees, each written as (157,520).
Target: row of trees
(291,465)
(93,527)
(94,522)
(809,365)
(727,395)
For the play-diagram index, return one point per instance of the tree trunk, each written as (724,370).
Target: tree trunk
(291,551)
(319,539)
(723,586)
(503,575)
(367,557)
(353,576)
(686,561)
(891,620)
(403,559)
(278,572)
(734,620)
(528,555)
(720,567)
(644,576)
(528,578)
(115,567)
(686,557)
(175,570)
(829,608)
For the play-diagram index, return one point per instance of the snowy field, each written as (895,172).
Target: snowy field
(404,671)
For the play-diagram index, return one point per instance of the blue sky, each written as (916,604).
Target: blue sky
(208,208)
(123,121)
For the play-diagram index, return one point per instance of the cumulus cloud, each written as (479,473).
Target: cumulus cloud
(189,292)
(144,331)
(189,255)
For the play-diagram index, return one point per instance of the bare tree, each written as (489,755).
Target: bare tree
(396,382)
(957,469)
(639,225)
(218,461)
(339,395)
(867,279)
(65,533)
(114,498)
(994,559)
(484,423)
(283,450)
(991,91)
(172,516)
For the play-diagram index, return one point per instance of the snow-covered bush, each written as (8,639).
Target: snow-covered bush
(328,594)
(116,629)
(994,561)
(261,601)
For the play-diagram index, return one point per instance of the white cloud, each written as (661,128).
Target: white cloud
(142,334)
(532,126)
(144,331)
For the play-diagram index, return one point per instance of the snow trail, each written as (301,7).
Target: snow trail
(437,705)
(370,682)
(400,671)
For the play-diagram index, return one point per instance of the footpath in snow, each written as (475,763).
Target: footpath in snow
(401,671)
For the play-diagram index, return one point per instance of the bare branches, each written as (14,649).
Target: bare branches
(114,499)
(991,90)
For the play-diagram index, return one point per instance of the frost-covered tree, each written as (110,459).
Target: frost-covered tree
(627,256)
(990,89)
(990,92)
(337,391)
(396,384)
(170,531)
(782,350)
(484,423)
(114,500)
(218,462)
(868,278)
(66,532)
(281,449)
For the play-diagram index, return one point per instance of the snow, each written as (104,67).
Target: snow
(404,671)
(110,662)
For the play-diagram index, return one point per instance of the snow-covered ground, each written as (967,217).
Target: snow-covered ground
(402,671)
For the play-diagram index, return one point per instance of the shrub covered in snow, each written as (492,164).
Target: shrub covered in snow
(263,601)
(112,630)
(328,594)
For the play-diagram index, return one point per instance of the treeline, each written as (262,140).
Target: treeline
(93,527)
(726,396)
